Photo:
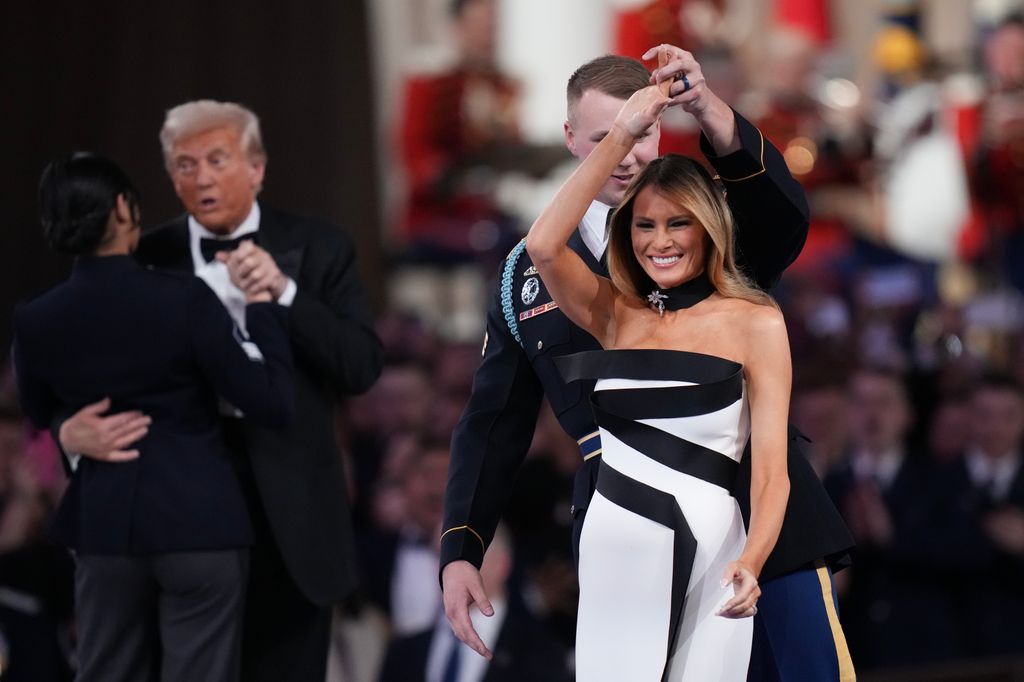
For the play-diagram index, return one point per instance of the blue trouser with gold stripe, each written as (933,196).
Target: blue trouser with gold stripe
(797,635)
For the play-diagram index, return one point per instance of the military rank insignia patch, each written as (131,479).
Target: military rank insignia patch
(531,288)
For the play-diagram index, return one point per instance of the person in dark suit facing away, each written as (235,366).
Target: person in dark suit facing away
(302,561)
(161,534)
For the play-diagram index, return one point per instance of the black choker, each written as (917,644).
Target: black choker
(689,293)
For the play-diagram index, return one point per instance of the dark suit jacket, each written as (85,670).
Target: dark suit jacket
(298,470)
(496,428)
(903,601)
(162,343)
(991,592)
(525,650)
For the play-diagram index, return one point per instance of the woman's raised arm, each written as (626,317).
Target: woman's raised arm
(585,297)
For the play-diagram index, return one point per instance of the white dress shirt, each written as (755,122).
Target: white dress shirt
(993,474)
(415,594)
(215,273)
(882,468)
(216,276)
(593,228)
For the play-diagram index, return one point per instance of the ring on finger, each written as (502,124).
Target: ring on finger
(754,609)
(681,76)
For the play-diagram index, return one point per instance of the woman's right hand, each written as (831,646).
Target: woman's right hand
(642,110)
(745,591)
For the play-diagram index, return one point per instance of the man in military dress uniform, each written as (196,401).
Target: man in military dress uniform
(526,332)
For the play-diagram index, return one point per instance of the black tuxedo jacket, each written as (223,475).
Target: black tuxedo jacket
(496,428)
(162,343)
(298,470)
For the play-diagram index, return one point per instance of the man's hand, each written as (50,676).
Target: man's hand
(254,271)
(462,586)
(690,90)
(93,435)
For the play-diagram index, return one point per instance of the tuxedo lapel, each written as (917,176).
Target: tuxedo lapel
(277,238)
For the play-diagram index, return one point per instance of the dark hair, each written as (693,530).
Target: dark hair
(687,183)
(611,74)
(76,196)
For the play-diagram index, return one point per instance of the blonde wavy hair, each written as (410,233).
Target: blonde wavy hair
(685,182)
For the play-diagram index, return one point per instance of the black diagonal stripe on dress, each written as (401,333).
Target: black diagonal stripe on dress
(647,364)
(674,452)
(672,401)
(662,508)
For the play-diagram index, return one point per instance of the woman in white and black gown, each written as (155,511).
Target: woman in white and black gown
(696,362)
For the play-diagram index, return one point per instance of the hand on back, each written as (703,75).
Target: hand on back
(92,433)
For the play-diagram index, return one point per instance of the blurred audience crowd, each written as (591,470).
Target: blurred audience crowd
(906,318)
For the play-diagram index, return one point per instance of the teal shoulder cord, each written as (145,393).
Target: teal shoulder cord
(506,290)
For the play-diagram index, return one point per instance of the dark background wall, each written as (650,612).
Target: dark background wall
(100,75)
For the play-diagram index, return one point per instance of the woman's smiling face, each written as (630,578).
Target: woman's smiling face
(668,241)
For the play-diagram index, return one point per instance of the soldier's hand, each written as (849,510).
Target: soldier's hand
(680,75)
(682,78)
(462,587)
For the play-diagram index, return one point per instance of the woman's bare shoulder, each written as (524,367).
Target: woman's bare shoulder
(738,306)
(752,319)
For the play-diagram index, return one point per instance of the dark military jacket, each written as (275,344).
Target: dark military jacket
(526,331)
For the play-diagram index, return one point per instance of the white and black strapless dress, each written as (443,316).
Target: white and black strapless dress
(663,523)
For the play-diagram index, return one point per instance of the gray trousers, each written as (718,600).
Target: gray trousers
(171,617)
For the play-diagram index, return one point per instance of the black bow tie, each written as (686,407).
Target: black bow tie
(209,247)
(687,294)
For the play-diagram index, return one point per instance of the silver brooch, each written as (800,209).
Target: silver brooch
(530,290)
(657,301)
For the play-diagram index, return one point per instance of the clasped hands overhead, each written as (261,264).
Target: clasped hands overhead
(678,81)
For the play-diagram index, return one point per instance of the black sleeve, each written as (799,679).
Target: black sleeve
(769,205)
(489,442)
(263,389)
(330,321)
(38,401)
